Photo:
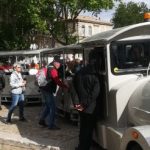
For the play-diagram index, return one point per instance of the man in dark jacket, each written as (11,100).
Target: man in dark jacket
(87,86)
(2,84)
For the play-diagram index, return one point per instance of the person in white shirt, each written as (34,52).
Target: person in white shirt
(17,84)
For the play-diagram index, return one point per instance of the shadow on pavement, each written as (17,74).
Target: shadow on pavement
(65,139)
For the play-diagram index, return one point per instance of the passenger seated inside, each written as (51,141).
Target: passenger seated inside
(68,72)
(77,66)
(135,55)
(33,70)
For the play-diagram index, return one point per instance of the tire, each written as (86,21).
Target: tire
(134,146)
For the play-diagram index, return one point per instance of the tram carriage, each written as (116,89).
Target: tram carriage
(126,80)
(64,101)
(125,85)
(24,57)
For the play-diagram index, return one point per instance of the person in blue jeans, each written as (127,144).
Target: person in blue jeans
(47,92)
(49,109)
(18,86)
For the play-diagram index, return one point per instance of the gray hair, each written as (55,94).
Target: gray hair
(16,65)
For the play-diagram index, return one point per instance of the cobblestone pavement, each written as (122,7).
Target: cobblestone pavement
(65,139)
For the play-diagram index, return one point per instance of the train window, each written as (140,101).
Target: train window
(129,57)
(6,62)
(72,61)
(99,57)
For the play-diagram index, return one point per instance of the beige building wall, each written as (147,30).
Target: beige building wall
(88,26)
(84,26)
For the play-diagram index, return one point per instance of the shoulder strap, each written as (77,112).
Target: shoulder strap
(17,75)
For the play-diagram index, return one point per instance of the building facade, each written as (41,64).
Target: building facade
(88,26)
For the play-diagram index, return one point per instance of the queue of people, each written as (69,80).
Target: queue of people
(86,84)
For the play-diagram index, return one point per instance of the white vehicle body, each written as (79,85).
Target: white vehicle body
(125,86)
(126,125)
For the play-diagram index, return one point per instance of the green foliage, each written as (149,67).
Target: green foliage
(21,17)
(18,20)
(127,14)
(65,12)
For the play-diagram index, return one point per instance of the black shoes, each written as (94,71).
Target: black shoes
(8,121)
(23,119)
(42,123)
(54,128)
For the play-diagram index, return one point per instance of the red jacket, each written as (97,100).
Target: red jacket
(55,80)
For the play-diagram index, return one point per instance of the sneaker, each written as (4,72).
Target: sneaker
(23,119)
(42,123)
(7,121)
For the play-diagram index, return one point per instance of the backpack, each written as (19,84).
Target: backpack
(43,77)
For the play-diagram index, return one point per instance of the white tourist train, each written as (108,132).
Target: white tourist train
(125,84)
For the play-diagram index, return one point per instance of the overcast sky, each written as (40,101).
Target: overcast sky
(107,15)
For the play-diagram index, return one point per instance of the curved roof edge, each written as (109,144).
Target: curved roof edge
(67,47)
(118,33)
(21,52)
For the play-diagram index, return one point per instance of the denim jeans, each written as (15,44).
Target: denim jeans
(49,108)
(16,99)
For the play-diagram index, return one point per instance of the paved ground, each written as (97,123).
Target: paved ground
(32,135)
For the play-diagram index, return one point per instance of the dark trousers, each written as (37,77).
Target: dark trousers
(49,109)
(87,124)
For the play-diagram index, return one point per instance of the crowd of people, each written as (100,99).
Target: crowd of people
(86,84)
(31,68)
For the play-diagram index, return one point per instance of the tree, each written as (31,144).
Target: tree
(62,19)
(54,17)
(130,13)
(18,19)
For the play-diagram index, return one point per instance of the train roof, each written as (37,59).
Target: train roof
(69,48)
(132,32)
(66,49)
(20,52)
(139,29)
